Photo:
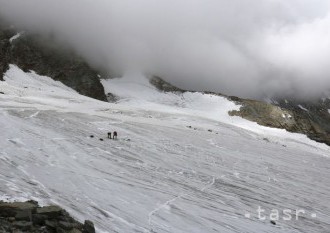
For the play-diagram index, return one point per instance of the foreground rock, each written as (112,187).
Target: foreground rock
(30,217)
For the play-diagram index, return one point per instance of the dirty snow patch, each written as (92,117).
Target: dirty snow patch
(301,107)
(18,35)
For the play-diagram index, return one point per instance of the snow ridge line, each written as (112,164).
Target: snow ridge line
(33,115)
(167,203)
(163,206)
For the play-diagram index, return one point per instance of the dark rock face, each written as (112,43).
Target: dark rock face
(44,56)
(39,219)
(5,35)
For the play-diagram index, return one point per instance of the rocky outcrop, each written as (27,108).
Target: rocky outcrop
(162,85)
(265,114)
(46,57)
(311,119)
(29,217)
(313,116)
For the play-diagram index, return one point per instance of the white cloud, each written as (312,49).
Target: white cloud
(238,47)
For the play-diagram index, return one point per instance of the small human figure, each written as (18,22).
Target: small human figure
(109,135)
(115,135)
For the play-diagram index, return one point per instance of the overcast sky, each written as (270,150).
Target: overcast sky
(248,48)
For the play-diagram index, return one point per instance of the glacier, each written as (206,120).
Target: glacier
(180,164)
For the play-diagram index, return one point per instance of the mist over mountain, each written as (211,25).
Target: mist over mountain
(252,48)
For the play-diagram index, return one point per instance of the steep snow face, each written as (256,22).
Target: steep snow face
(136,91)
(161,175)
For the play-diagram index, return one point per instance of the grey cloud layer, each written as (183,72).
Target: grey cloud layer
(238,47)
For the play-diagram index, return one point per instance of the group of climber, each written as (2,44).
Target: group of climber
(114,135)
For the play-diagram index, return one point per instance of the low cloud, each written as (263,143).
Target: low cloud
(248,48)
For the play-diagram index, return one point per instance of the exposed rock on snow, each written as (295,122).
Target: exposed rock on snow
(162,85)
(265,114)
(288,115)
(30,217)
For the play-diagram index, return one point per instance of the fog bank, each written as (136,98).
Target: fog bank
(248,48)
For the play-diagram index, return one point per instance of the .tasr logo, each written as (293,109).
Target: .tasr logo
(276,215)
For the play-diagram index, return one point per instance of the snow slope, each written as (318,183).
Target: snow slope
(161,175)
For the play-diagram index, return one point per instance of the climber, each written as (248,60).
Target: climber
(114,135)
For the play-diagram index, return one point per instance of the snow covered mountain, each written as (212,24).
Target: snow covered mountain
(47,56)
(180,164)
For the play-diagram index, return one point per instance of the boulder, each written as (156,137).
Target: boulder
(89,227)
